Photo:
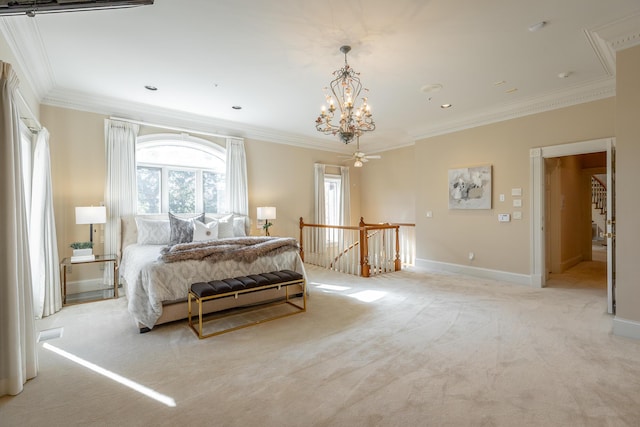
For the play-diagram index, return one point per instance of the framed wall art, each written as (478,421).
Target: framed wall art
(470,188)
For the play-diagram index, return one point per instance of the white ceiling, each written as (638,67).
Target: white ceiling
(274,57)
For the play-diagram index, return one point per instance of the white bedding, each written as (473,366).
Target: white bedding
(150,282)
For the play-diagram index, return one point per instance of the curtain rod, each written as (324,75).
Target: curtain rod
(176,128)
(333,166)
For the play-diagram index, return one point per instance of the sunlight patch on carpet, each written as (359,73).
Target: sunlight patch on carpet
(331,287)
(368,296)
(169,401)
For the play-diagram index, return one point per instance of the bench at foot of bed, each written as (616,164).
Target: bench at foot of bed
(236,287)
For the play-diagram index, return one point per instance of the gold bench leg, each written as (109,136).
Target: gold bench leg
(200,302)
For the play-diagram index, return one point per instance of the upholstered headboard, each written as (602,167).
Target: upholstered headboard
(129,229)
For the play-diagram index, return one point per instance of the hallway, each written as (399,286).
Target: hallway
(586,275)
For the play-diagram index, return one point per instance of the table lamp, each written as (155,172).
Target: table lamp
(91,215)
(266,213)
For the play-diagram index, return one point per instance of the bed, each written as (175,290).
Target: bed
(158,271)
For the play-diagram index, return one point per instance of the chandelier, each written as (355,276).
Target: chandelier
(345,90)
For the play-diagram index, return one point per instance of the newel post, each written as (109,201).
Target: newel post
(398,263)
(301,247)
(364,250)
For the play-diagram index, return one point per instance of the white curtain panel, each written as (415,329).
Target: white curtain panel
(345,197)
(319,217)
(120,195)
(318,182)
(18,352)
(45,264)
(236,179)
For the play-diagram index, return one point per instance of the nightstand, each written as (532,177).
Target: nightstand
(98,258)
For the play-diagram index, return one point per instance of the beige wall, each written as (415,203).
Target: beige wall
(389,187)
(627,178)
(279,175)
(450,235)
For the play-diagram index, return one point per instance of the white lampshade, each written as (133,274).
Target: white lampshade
(91,215)
(267,212)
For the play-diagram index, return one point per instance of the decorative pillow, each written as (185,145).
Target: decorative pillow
(225,226)
(153,231)
(202,231)
(182,228)
(238,226)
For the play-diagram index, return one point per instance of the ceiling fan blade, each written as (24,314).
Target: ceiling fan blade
(373,157)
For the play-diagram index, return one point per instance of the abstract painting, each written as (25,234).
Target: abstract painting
(470,188)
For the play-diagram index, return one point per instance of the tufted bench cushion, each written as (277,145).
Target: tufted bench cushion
(244,283)
(236,286)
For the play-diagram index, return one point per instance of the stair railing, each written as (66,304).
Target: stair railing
(365,250)
(599,194)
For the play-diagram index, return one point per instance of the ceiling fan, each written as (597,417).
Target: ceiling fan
(359,157)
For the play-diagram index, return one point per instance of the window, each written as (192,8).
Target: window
(332,199)
(26,138)
(180,173)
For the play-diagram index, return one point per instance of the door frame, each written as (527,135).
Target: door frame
(537,156)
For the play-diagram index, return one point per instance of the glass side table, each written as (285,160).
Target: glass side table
(66,262)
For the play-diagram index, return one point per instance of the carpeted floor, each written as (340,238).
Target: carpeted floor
(411,348)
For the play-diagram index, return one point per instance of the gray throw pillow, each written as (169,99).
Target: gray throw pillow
(182,228)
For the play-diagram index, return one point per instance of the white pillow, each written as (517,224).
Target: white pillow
(202,231)
(239,229)
(153,231)
(225,226)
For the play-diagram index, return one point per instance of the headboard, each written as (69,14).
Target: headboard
(129,230)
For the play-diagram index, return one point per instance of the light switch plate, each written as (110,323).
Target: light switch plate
(517,215)
(516,192)
(517,203)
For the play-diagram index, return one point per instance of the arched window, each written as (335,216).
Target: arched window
(180,173)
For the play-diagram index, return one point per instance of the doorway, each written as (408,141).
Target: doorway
(575,221)
(539,230)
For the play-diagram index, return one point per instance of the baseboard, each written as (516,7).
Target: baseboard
(567,264)
(626,328)
(485,273)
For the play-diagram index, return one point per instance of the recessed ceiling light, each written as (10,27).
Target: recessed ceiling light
(236,107)
(150,87)
(445,106)
(435,87)
(512,90)
(564,75)
(537,26)
(501,82)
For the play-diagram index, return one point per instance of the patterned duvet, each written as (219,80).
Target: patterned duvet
(149,281)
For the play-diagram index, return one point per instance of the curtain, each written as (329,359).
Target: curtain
(45,264)
(319,235)
(236,179)
(345,197)
(120,195)
(319,208)
(18,353)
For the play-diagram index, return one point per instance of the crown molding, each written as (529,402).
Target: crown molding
(148,113)
(23,37)
(603,88)
(622,33)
